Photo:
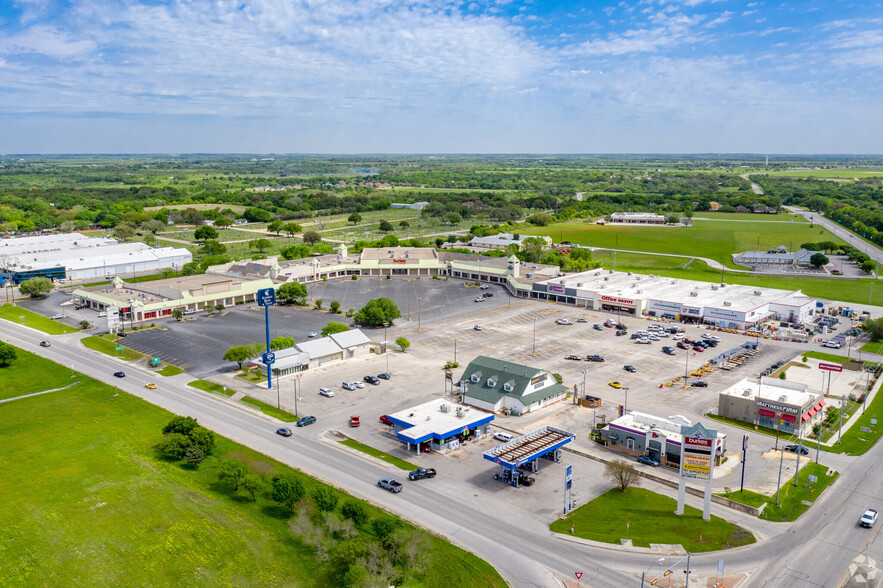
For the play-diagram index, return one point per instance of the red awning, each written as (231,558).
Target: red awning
(809,413)
(821,403)
(805,417)
(788,417)
(765,412)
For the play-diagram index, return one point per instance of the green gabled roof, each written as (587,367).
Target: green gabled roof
(519,376)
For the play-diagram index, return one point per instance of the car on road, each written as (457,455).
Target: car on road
(582,320)
(120,374)
(629,368)
(614,384)
(501,436)
(595,357)
(421,473)
(45,344)
(699,384)
(647,460)
(384,376)
(284,431)
(868,518)
(390,484)
(354,421)
(104,314)
(563,321)
(488,294)
(597,327)
(150,386)
(372,380)
(349,386)
(312,334)
(828,344)
(480,299)
(669,350)
(307,420)
(795,449)
(476,328)
(56,316)
(326,392)
(385,420)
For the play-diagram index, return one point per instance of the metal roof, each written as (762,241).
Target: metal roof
(521,450)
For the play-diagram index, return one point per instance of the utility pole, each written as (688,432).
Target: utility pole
(779,483)
(534,337)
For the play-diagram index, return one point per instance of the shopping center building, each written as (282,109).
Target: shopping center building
(772,403)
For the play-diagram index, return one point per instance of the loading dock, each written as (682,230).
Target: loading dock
(524,452)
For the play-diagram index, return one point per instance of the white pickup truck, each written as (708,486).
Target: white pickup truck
(868,519)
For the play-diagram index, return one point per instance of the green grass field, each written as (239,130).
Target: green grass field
(399,463)
(28,373)
(791,498)
(650,518)
(872,347)
(170,370)
(846,174)
(87,500)
(712,239)
(107,344)
(23,316)
(207,386)
(749,216)
(270,410)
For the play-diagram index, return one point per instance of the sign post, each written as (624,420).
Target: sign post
(267,298)
(744,456)
(568,488)
(697,462)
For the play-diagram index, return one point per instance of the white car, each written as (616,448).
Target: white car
(311,334)
(480,299)
(188,311)
(829,344)
(868,518)
(501,436)
(643,341)
(653,337)
(359,384)
(477,327)
(563,321)
(102,314)
(679,336)
(56,316)
(327,392)
(349,386)
(483,287)
(663,334)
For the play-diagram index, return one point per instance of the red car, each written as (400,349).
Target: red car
(385,420)
(698,348)
(354,421)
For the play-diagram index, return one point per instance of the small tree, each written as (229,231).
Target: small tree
(385,226)
(326,498)
(818,259)
(377,312)
(238,353)
(204,233)
(7,354)
(36,287)
(287,490)
(232,473)
(84,324)
(260,245)
(403,343)
(312,237)
(180,424)
(281,343)
(356,512)
(252,484)
(204,439)
(332,328)
(291,229)
(318,304)
(335,307)
(177,314)
(194,456)
(355,218)
(275,226)
(404,224)
(621,473)
(868,266)
(175,445)
(291,291)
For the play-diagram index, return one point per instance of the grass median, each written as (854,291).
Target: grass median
(107,344)
(125,515)
(28,318)
(399,463)
(207,386)
(646,517)
(270,410)
(793,500)
(170,370)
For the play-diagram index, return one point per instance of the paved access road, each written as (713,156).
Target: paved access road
(870,250)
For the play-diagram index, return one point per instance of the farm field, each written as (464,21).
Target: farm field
(237,208)
(712,239)
(125,515)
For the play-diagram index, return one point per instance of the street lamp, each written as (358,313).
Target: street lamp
(585,371)
(296,383)
(660,561)
(626,406)
(386,346)
(534,336)
(418,314)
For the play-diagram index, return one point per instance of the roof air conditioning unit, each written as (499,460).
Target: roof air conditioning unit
(783,398)
(757,292)
(727,303)
(445,408)
(694,293)
(747,392)
(639,292)
(460,413)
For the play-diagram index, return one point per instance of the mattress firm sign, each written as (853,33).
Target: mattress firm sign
(778,407)
(674,307)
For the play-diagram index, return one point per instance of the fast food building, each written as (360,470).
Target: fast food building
(724,305)
(772,403)
(638,433)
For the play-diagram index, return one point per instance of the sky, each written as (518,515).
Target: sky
(427,76)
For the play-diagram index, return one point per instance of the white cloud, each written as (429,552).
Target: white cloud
(48,41)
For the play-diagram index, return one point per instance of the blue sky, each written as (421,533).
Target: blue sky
(425,76)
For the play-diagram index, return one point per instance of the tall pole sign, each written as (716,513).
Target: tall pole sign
(744,455)
(267,298)
(698,448)
(568,488)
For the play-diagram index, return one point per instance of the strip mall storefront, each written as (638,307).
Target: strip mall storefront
(616,304)
(786,406)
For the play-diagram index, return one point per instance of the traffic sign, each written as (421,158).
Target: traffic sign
(831,367)
(813,479)
(578,575)
(266,297)
(268,358)
(120,348)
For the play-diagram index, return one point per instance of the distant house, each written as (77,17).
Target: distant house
(495,385)
(504,240)
(637,218)
(411,206)
(741,208)
(765,210)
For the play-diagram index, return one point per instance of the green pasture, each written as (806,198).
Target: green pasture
(237,208)
(749,216)
(712,239)
(647,517)
(87,499)
(30,373)
(28,318)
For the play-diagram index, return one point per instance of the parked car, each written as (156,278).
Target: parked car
(421,473)
(609,324)
(595,357)
(669,350)
(483,287)
(312,334)
(307,420)
(501,436)
(372,380)
(614,384)
(120,374)
(868,518)
(150,386)
(678,336)
(56,316)
(796,449)
(390,484)
(284,431)
(582,320)
(385,420)
(384,376)
(699,384)
(698,348)
(188,311)
(621,333)
(636,336)
(103,314)
(480,299)
(683,345)
(488,294)
(574,357)
(326,392)
(647,460)
(643,340)
(563,321)
(349,386)
(629,368)
(828,344)
(354,421)
(597,327)
(477,328)
(359,384)
(122,334)
(45,344)
(653,337)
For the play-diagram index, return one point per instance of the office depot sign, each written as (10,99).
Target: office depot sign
(615,300)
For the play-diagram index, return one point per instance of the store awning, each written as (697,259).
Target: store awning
(821,404)
(765,412)
(805,417)
(789,417)
(809,413)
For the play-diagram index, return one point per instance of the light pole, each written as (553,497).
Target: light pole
(585,371)
(418,314)
(625,408)
(386,346)
(296,391)
(534,336)
(660,561)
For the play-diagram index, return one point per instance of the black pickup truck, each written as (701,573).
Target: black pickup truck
(421,473)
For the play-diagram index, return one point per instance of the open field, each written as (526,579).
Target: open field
(712,239)
(650,519)
(792,498)
(30,373)
(749,216)
(127,516)
(108,344)
(23,316)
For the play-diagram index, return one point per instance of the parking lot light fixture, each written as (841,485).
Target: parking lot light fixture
(534,336)
(418,314)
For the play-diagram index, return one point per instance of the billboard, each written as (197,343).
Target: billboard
(698,451)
